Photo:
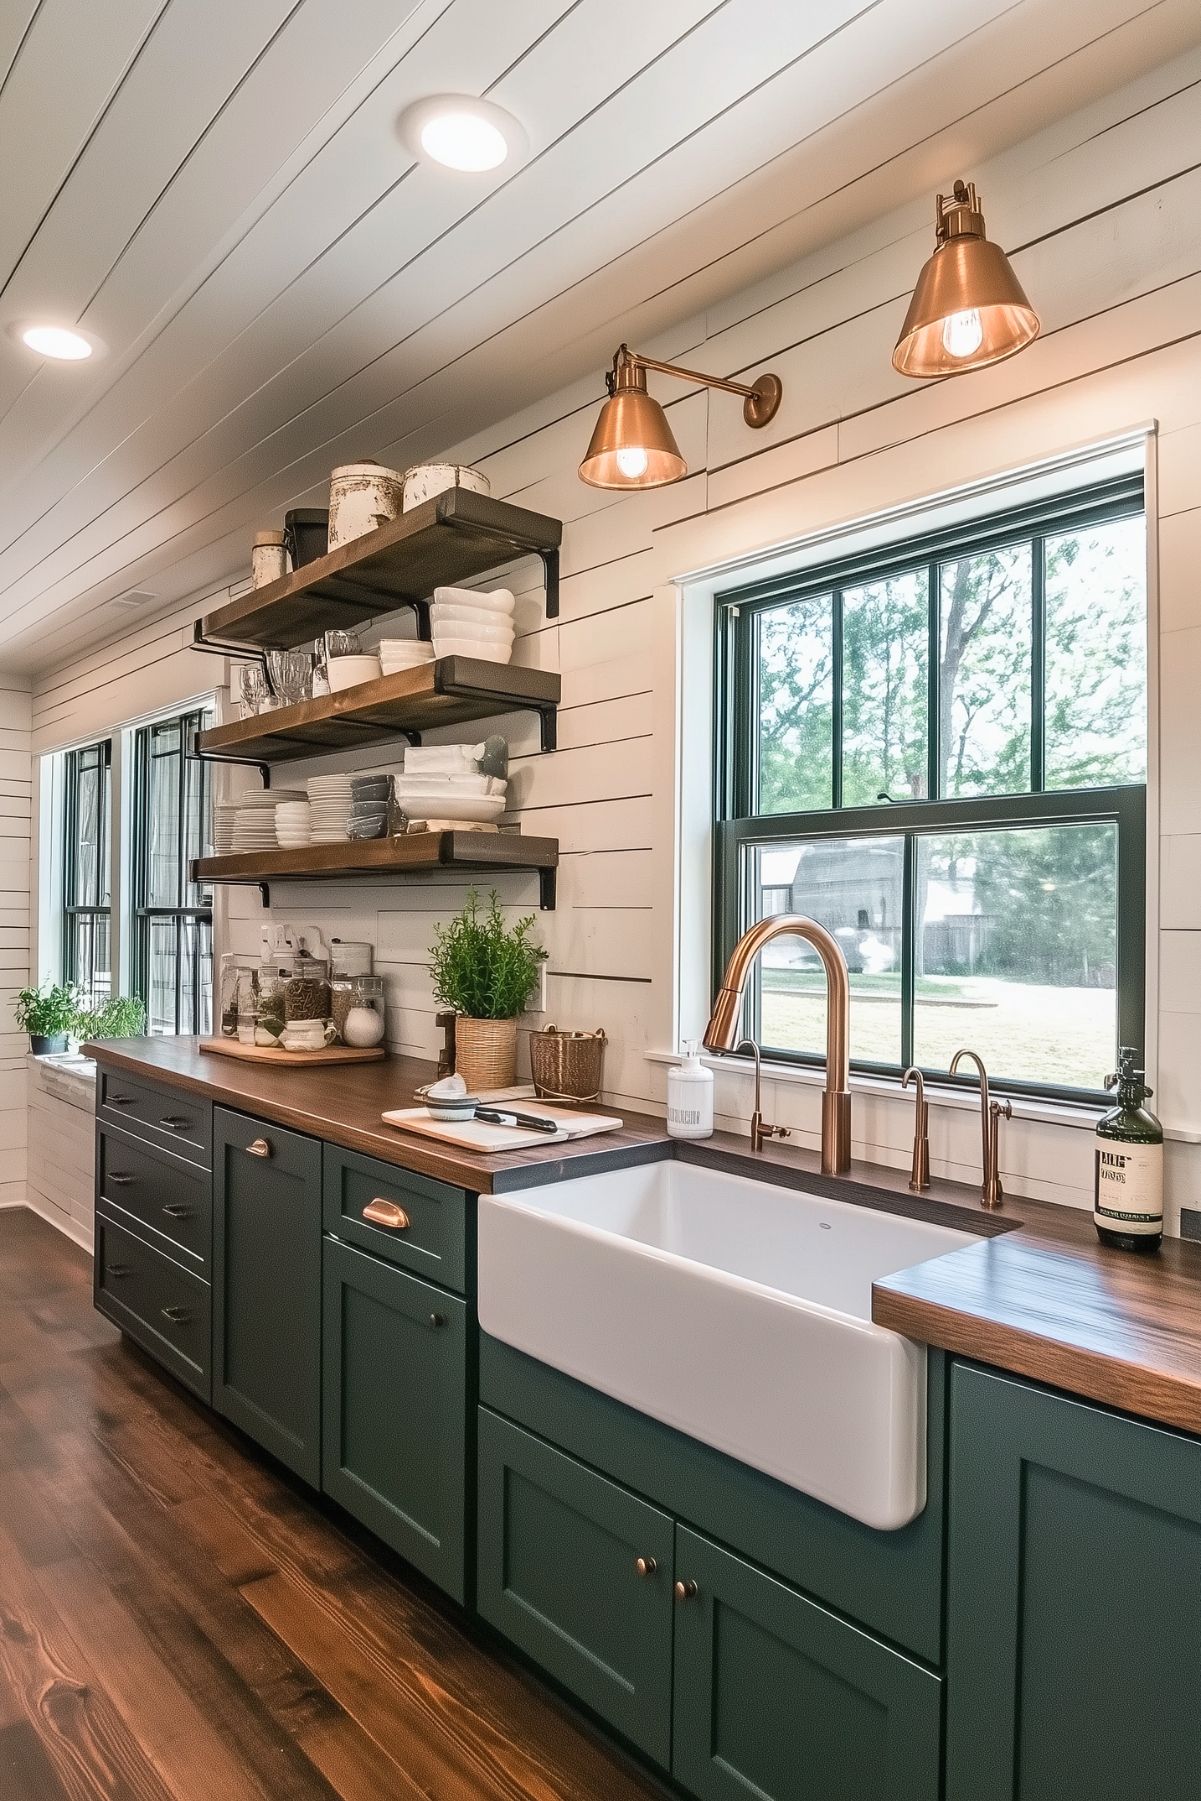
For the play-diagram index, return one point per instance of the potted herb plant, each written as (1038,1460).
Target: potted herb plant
(124,1016)
(47,1013)
(486,971)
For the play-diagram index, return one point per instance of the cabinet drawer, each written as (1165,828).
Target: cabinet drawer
(394,1425)
(779,1700)
(159,1114)
(558,1575)
(165,1195)
(165,1308)
(428,1229)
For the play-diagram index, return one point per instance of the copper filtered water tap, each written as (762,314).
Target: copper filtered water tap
(919,1174)
(991,1194)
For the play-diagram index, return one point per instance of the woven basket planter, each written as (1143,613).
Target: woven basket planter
(486,1053)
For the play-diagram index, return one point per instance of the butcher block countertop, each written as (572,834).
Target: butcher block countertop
(1037,1295)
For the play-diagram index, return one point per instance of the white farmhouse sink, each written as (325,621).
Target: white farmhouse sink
(734,1310)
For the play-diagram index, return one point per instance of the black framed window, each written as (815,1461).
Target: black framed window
(938,750)
(87,872)
(172,950)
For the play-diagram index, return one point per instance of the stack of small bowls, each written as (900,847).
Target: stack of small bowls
(293,824)
(470,623)
(368,817)
(396,654)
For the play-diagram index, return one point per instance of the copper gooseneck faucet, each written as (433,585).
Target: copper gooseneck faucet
(722,1031)
(991,1192)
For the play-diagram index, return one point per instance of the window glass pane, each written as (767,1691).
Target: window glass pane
(1016,952)
(162,817)
(89,957)
(1096,660)
(160,998)
(852,886)
(795,661)
(985,673)
(885,637)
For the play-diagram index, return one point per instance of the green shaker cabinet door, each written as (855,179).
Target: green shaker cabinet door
(1074,1588)
(558,1575)
(267,1287)
(394,1427)
(778,1700)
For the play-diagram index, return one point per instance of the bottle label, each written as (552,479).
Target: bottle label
(1129,1187)
(683,1116)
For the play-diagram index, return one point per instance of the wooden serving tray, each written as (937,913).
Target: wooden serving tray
(267,1053)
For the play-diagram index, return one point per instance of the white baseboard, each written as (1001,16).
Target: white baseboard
(62,1222)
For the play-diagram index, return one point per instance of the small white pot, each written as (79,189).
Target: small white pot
(362,496)
(424,480)
(268,558)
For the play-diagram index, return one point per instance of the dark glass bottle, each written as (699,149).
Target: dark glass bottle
(1128,1182)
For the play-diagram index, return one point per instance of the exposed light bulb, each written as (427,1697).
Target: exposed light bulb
(463,140)
(56,341)
(632,463)
(962,333)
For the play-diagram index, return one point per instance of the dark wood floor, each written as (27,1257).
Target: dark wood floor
(178,1623)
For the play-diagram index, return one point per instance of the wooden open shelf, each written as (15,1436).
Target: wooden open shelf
(456,537)
(410,855)
(451,691)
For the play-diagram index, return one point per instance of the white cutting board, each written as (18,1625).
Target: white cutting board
(477,1135)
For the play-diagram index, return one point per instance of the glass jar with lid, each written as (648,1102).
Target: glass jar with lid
(359,1010)
(306,988)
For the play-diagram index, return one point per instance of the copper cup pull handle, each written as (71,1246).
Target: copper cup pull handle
(259,1148)
(387,1213)
(684,1591)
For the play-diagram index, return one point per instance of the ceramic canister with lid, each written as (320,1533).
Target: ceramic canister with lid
(268,558)
(362,496)
(424,480)
(350,956)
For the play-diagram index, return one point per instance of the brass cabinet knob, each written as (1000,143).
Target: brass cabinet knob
(646,1566)
(684,1591)
(387,1213)
(260,1148)
(437,1320)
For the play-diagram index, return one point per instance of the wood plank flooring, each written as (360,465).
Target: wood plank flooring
(178,1622)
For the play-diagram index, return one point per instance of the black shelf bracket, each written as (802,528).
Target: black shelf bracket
(550,576)
(213,647)
(548,889)
(228,756)
(234,881)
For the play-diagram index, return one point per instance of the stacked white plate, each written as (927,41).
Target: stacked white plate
(467,622)
(403,653)
(293,824)
(226,813)
(330,798)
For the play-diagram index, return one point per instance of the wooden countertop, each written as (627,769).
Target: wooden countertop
(342,1103)
(1038,1295)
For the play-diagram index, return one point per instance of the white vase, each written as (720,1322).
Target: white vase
(362,496)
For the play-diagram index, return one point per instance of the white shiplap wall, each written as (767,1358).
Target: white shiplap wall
(16,776)
(1102,212)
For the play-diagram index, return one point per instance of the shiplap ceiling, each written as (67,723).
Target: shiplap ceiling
(216,188)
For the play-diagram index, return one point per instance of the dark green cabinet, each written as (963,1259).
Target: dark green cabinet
(267,1287)
(394,1422)
(1074,1583)
(165,1307)
(777,1699)
(559,1574)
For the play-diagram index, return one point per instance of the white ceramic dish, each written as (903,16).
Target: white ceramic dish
(350,672)
(493,600)
(480,648)
(461,621)
(483,809)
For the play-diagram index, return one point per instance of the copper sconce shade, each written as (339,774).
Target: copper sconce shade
(969,308)
(632,445)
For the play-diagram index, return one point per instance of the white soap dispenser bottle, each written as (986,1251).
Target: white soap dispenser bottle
(690,1097)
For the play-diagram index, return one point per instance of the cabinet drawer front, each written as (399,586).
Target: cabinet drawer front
(394,1426)
(409,1219)
(165,1308)
(267,1287)
(165,1195)
(161,1115)
(557,1574)
(778,1700)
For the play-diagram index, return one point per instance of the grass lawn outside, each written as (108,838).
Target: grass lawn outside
(1022,1030)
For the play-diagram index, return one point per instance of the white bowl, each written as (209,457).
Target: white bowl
(351,672)
(493,600)
(469,623)
(483,649)
(438,804)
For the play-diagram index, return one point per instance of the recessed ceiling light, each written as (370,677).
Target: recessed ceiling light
(62,343)
(460,132)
